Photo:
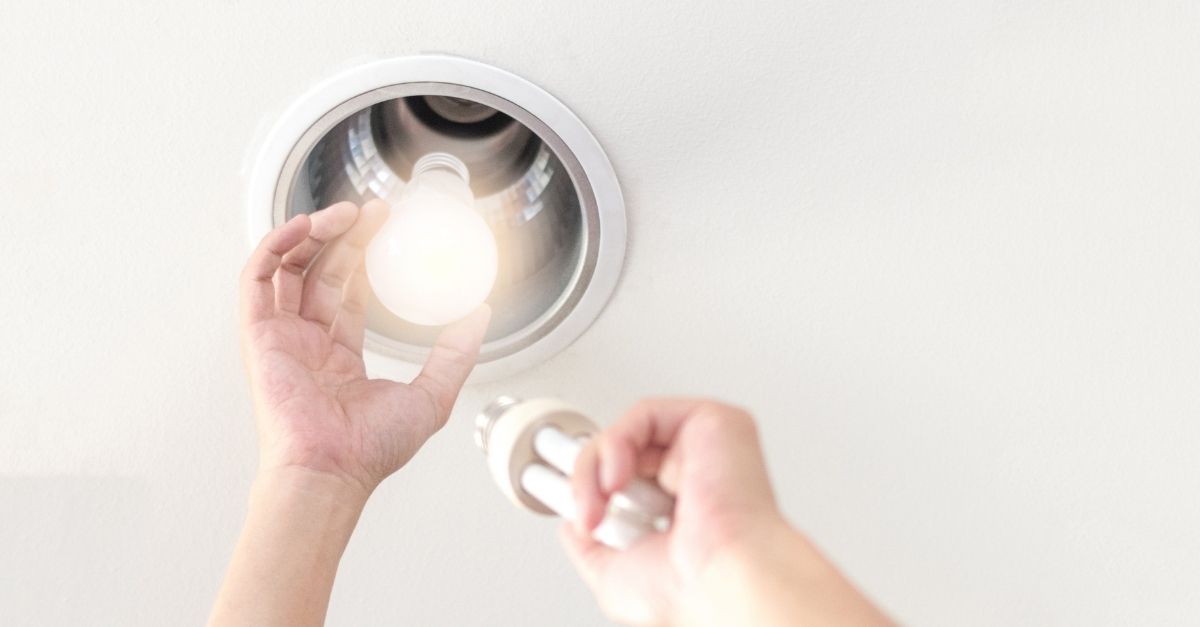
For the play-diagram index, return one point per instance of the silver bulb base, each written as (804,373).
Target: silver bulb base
(441,161)
(487,417)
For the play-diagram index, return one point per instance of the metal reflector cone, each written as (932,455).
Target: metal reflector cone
(522,190)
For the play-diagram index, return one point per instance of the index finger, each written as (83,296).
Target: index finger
(258,290)
(608,462)
(649,423)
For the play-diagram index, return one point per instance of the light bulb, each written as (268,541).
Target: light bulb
(434,260)
(531,447)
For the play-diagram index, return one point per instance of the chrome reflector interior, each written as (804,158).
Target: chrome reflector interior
(528,188)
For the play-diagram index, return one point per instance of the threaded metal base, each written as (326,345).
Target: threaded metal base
(488,417)
(441,161)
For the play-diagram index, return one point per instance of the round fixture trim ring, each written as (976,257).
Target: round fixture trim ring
(278,144)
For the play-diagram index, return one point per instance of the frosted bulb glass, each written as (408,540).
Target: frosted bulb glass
(434,260)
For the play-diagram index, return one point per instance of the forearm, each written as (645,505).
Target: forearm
(779,579)
(296,530)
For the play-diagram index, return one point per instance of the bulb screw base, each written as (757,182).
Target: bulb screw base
(487,417)
(443,161)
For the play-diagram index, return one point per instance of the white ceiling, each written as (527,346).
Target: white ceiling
(947,252)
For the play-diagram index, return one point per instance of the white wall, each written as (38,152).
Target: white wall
(947,253)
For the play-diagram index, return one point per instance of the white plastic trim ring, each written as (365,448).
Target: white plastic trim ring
(269,158)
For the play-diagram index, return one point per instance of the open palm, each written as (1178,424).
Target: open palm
(304,296)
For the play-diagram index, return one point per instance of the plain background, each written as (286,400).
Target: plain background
(948,253)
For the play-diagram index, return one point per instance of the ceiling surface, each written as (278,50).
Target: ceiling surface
(946,252)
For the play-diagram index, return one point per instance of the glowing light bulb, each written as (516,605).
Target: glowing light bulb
(434,260)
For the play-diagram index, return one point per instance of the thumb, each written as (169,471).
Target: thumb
(588,556)
(451,360)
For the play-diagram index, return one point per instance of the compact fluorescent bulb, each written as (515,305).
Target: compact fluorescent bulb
(531,446)
(434,260)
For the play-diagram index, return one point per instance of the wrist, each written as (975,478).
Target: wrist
(760,580)
(298,525)
(313,463)
(778,577)
(298,484)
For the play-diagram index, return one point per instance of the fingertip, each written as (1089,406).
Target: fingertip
(616,465)
(566,535)
(481,315)
(338,211)
(480,319)
(286,236)
(582,509)
(375,211)
(374,205)
(589,517)
(571,539)
(586,490)
(337,218)
(467,334)
(300,222)
(584,553)
(608,465)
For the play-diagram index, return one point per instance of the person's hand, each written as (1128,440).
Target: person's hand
(303,294)
(729,557)
(704,453)
(327,434)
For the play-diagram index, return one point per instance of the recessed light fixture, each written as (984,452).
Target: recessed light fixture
(540,179)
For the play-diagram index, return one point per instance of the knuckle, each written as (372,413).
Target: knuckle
(437,409)
(455,356)
(582,463)
(354,306)
(247,272)
(721,416)
(291,266)
(643,406)
(331,279)
(265,240)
